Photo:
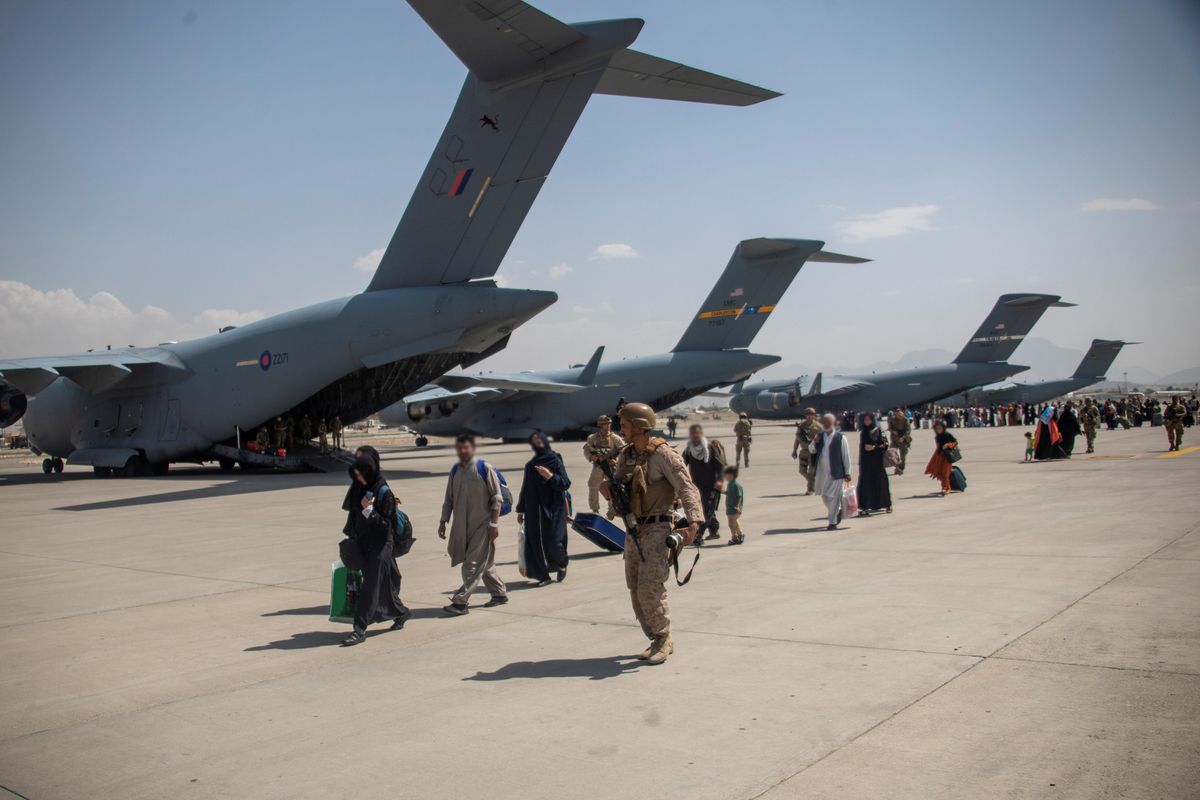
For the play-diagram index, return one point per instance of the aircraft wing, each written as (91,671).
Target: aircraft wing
(93,371)
(845,388)
(521,383)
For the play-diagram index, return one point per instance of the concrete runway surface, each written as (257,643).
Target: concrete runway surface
(1037,636)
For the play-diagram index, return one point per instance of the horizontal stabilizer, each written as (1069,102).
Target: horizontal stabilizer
(836,258)
(634,74)
(520,383)
(757,275)
(1013,316)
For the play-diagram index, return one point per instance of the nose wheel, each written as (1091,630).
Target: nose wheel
(421,441)
(52,465)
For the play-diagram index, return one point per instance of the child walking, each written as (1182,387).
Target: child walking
(735,496)
(1028,446)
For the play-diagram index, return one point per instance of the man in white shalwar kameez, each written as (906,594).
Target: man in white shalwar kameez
(831,452)
(473,500)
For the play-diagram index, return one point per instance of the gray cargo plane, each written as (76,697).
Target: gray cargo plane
(711,353)
(430,306)
(983,360)
(1091,369)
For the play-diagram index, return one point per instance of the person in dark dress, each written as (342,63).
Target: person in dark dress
(1068,427)
(370,507)
(542,509)
(874,492)
(939,466)
(1047,437)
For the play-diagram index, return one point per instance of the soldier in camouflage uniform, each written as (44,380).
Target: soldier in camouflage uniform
(900,434)
(280,433)
(1089,416)
(657,478)
(742,429)
(807,431)
(600,447)
(1172,417)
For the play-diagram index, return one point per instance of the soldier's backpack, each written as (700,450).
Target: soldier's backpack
(402,537)
(506,497)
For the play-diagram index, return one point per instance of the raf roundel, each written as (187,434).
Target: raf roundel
(264,360)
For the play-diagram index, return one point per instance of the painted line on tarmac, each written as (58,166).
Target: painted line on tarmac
(1182,452)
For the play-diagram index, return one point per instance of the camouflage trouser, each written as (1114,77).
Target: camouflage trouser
(1091,439)
(1174,433)
(807,468)
(903,450)
(594,480)
(647,580)
(743,449)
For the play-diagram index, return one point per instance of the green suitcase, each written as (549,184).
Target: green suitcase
(343,592)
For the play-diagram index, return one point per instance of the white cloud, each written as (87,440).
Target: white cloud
(370,261)
(615,250)
(889,222)
(37,323)
(1120,204)
(559,271)
(501,280)
(602,307)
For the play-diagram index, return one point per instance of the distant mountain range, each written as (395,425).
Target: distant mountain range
(1047,361)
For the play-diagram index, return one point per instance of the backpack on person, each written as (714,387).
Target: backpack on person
(506,497)
(402,536)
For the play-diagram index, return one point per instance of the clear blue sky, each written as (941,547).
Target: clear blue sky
(192,156)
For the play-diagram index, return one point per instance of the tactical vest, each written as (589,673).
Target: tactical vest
(648,497)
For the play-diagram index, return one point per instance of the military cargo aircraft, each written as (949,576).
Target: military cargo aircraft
(711,353)
(983,360)
(431,305)
(1091,370)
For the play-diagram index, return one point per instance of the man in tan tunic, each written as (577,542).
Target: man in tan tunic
(656,476)
(473,500)
(600,447)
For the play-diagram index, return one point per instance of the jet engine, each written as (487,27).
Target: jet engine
(772,401)
(12,404)
(418,411)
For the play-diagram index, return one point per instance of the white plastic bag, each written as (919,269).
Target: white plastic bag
(521,552)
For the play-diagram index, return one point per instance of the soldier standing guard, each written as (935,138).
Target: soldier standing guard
(305,429)
(321,435)
(280,433)
(600,447)
(291,432)
(1172,417)
(338,439)
(1089,415)
(742,429)
(262,439)
(807,431)
(900,434)
(656,476)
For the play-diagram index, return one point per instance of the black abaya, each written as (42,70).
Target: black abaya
(543,501)
(1068,428)
(874,491)
(378,597)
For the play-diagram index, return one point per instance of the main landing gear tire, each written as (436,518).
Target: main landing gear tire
(422,441)
(104,472)
(47,466)
(226,464)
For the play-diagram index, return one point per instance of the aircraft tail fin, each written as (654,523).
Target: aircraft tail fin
(1099,358)
(530,77)
(587,376)
(758,274)
(1013,316)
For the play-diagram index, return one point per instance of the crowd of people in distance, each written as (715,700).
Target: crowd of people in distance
(477,495)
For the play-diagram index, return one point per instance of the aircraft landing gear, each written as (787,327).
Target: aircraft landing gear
(54,465)
(225,464)
(421,441)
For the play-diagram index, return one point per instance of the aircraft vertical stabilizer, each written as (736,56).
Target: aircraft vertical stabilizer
(1013,316)
(1099,358)
(758,274)
(530,77)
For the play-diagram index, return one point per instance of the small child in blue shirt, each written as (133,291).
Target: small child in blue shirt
(1028,446)
(735,497)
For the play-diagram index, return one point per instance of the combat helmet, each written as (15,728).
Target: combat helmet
(640,416)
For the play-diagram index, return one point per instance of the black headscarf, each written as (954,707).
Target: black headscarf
(368,464)
(543,453)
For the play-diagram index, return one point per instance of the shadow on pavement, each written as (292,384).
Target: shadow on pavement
(778,531)
(315,611)
(596,669)
(302,641)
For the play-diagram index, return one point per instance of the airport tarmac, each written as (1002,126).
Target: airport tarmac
(1036,636)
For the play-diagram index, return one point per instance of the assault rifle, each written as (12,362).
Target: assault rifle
(622,503)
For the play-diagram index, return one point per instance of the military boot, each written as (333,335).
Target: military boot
(662,647)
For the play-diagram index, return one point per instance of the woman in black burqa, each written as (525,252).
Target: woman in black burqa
(370,507)
(874,492)
(542,509)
